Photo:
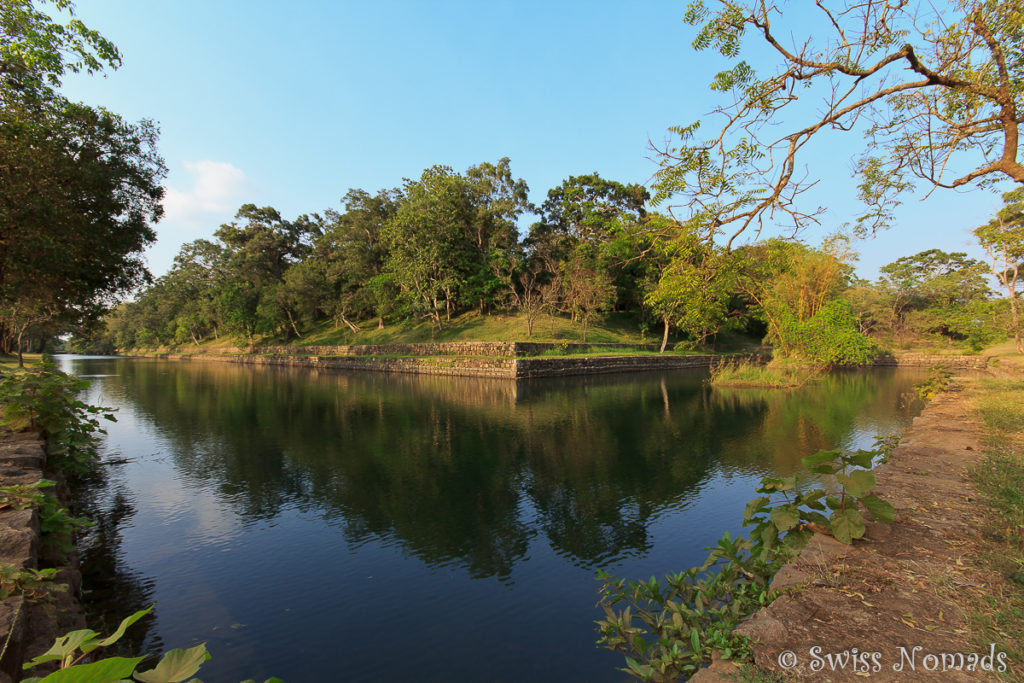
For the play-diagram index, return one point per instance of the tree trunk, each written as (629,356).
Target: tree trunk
(380,322)
(664,337)
(348,323)
(291,321)
(21,359)
(1015,315)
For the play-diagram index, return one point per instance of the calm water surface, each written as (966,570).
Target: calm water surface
(320,527)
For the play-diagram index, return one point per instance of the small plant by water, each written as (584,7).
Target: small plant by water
(669,629)
(43,397)
(73,649)
(938,380)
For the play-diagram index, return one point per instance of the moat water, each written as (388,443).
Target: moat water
(320,526)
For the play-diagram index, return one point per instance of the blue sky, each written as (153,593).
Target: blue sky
(292,105)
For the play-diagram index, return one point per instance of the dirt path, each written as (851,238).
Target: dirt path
(888,609)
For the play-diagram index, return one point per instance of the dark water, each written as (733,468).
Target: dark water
(358,527)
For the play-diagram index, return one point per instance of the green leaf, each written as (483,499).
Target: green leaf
(754,506)
(847,525)
(833,503)
(880,510)
(796,540)
(64,646)
(862,458)
(819,458)
(858,483)
(785,517)
(106,670)
(176,666)
(116,635)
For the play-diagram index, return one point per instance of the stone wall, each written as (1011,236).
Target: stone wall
(928,360)
(560,367)
(507,368)
(469,348)
(516,364)
(435,365)
(29,627)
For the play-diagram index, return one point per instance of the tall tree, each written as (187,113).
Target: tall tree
(938,93)
(79,186)
(1003,240)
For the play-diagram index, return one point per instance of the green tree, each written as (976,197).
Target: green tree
(694,288)
(452,237)
(1003,241)
(259,247)
(931,292)
(585,290)
(937,94)
(36,50)
(81,186)
(799,291)
(351,254)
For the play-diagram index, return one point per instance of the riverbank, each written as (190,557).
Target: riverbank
(910,592)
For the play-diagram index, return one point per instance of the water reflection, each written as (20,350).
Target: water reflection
(448,467)
(489,502)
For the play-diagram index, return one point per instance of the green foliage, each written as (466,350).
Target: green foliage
(55,522)
(46,398)
(777,374)
(669,629)
(930,294)
(82,186)
(28,582)
(938,380)
(72,649)
(1003,240)
(829,338)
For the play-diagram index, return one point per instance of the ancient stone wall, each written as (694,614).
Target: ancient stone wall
(469,348)
(928,360)
(559,367)
(29,627)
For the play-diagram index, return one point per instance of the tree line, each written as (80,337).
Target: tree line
(448,243)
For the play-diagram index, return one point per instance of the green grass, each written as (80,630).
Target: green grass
(11,362)
(615,329)
(774,375)
(1000,481)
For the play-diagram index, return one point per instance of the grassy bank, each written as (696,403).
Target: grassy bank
(999,479)
(617,328)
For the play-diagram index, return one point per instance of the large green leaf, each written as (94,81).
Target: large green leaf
(857,483)
(819,458)
(847,525)
(880,510)
(63,647)
(754,506)
(116,635)
(107,670)
(785,517)
(862,458)
(176,665)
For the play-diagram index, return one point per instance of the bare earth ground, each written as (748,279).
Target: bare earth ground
(903,593)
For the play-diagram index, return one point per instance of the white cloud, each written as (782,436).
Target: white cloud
(217,188)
